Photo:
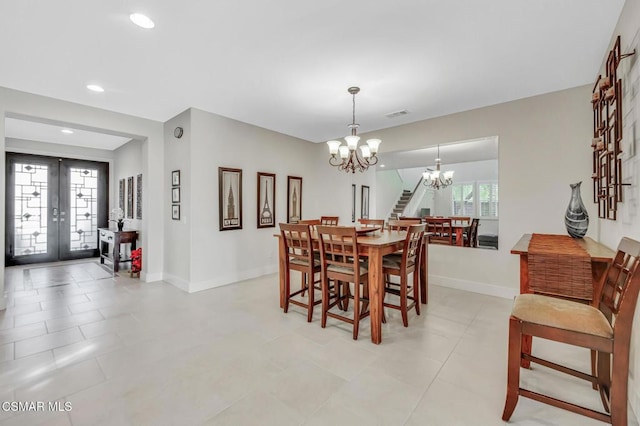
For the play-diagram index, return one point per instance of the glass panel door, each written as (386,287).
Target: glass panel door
(53,208)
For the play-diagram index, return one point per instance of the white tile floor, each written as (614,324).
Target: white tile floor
(125,352)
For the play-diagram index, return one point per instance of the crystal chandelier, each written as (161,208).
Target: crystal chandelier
(350,160)
(434,180)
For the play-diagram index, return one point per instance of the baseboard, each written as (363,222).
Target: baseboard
(474,287)
(177,282)
(219,281)
(223,280)
(149,278)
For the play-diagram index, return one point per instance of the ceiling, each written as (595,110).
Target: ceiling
(450,153)
(285,65)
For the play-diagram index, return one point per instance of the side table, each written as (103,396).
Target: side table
(110,237)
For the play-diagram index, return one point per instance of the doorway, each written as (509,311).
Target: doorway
(54,207)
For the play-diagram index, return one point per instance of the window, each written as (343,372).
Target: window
(465,203)
(462,197)
(488,197)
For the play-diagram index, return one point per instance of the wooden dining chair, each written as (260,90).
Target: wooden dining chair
(371,223)
(460,220)
(341,263)
(403,224)
(402,265)
(329,220)
(300,257)
(471,237)
(440,229)
(603,327)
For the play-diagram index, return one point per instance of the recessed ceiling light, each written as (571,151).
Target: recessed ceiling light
(67,131)
(95,88)
(381,165)
(142,21)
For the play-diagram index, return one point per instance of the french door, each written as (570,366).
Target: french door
(54,207)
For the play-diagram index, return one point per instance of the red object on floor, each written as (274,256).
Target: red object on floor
(136,262)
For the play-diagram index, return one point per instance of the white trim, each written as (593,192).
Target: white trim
(150,277)
(177,282)
(474,287)
(232,278)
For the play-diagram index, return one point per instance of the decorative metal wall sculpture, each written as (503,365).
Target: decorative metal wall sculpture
(607,135)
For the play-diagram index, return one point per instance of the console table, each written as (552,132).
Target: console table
(108,238)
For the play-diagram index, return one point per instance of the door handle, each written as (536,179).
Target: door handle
(55,212)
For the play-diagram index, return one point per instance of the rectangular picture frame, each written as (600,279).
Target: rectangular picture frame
(266,203)
(175,178)
(353,203)
(230,198)
(122,189)
(364,202)
(175,211)
(130,197)
(175,194)
(294,199)
(139,196)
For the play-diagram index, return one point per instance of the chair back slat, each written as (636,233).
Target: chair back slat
(403,224)
(339,248)
(329,220)
(440,228)
(412,246)
(619,293)
(371,223)
(297,242)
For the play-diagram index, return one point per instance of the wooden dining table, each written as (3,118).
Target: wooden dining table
(373,245)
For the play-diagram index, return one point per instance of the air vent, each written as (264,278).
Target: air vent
(396,113)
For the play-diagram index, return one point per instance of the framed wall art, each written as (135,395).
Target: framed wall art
(175,194)
(121,194)
(175,211)
(353,202)
(139,196)
(175,178)
(130,197)
(230,198)
(364,202)
(266,200)
(294,199)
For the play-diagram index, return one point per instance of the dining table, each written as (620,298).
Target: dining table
(374,245)
(460,230)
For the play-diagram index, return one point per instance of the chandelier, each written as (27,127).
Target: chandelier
(434,180)
(350,160)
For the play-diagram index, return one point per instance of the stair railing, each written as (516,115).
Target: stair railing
(413,194)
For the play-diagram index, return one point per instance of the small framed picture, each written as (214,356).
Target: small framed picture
(175,178)
(175,195)
(294,199)
(364,202)
(353,202)
(230,198)
(175,211)
(266,200)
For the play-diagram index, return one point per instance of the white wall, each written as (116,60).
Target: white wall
(388,190)
(628,222)
(128,162)
(53,150)
(24,105)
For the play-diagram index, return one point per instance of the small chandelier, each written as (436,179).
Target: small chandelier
(350,160)
(435,180)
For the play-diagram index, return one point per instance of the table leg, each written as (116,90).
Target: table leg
(116,256)
(459,239)
(282,270)
(376,293)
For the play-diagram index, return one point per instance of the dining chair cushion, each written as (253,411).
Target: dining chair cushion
(302,262)
(562,314)
(393,261)
(364,269)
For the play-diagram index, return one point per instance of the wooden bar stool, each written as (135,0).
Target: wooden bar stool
(603,327)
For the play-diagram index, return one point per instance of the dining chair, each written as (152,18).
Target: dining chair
(311,222)
(329,220)
(440,229)
(604,327)
(471,237)
(460,220)
(300,257)
(340,262)
(402,224)
(371,223)
(402,265)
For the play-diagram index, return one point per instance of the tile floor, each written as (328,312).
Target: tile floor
(122,352)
